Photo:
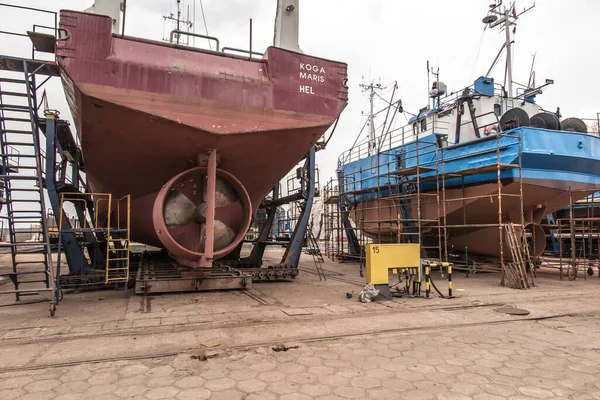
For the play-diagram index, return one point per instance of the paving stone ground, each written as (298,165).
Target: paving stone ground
(104,345)
(548,359)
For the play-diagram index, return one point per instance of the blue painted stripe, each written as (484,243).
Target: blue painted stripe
(545,155)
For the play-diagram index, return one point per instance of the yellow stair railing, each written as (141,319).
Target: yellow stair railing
(104,222)
(119,243)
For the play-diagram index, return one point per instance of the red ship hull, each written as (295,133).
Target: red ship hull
(145,111)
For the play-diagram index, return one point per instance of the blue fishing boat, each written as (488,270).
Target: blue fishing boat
(469,164)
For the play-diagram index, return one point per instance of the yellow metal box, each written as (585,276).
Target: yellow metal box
(383,257)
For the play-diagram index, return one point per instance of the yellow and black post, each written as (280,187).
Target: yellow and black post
(427,282)
(449,280)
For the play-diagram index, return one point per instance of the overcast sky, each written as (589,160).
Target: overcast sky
(390,40)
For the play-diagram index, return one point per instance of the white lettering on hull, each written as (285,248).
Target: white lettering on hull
(313,73)
(313,68)
(306,89)
(312,77)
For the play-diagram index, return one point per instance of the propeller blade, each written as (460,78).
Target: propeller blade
(224,235)
(179,210)
(224,193)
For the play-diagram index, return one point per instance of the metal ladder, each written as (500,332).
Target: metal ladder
(315,252)
(118,246)
(23,184)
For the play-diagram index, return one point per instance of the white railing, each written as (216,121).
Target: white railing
(393,139)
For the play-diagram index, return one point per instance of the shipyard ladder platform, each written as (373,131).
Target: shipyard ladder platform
(21,181)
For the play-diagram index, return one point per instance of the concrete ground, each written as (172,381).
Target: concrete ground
(304,340)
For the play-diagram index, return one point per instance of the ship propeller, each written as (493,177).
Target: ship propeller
(181,210)
(180,214)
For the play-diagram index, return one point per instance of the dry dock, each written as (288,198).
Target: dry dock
(224,345)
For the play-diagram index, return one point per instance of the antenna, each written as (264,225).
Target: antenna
(505,17)
(531,82)
(428,74)
(178,22)
(371,88)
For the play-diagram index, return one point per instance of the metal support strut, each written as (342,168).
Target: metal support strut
(291,257)
(211,182)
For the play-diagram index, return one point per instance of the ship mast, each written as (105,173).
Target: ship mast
(287,25)
(508,52)
(372,87)
(178,21)
(509,16)
(112,8)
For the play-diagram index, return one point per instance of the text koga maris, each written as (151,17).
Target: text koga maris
(314,73)
(312,77)
(312,68)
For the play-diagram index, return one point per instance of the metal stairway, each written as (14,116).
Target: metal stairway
(32,271)
(314,250)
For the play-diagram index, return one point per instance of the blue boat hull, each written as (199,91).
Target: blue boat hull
(555,167)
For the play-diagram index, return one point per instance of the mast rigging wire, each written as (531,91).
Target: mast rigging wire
(205,26)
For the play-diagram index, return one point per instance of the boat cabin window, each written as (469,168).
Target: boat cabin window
(423,125)
(498,109)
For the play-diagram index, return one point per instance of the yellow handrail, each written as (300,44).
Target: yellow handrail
(117,256)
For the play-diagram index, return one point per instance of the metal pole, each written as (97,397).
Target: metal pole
(500,226)
(250,37)
(560,246)
(508,52)
(449,280)
(573,274)
(178,17)
(522,210)
(427,282)
(444,209)
(211,180)
(371,121)
(123,28)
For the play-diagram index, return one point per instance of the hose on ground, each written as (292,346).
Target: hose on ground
(436,289)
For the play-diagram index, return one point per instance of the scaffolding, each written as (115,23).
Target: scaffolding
(333,235)
(574,237)
(416,189)
(392,195)
(514,240)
